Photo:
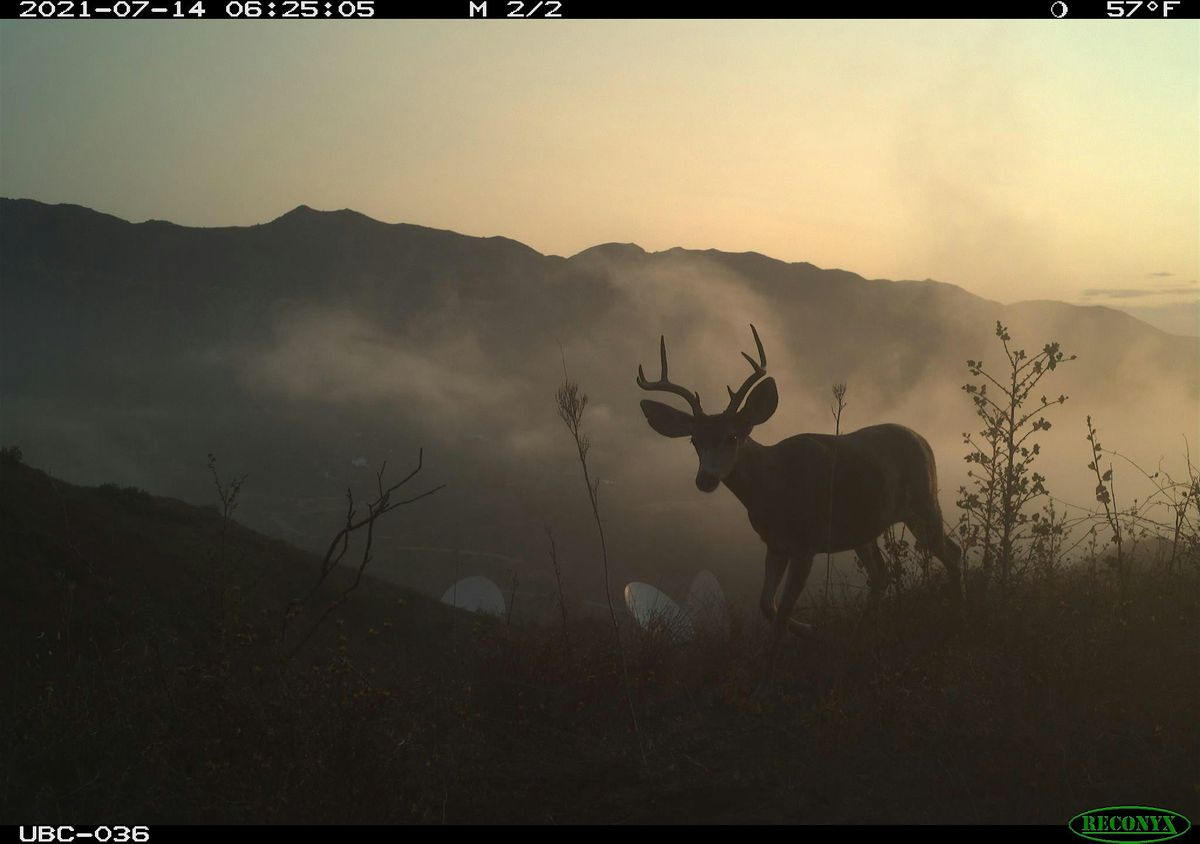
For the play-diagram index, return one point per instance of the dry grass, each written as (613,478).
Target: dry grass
(120,704)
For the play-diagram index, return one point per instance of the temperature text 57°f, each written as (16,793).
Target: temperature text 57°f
(1143,8)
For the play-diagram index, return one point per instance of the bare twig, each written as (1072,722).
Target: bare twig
(378,507)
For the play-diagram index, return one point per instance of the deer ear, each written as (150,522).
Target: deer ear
(667,420)
(761,403)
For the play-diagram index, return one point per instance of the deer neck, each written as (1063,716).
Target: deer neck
(745,479)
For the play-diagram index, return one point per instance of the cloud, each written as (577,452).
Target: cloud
(1116,292)
(1159,275)
(1142,292)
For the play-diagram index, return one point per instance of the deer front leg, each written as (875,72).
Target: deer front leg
(797,576)
(775,566)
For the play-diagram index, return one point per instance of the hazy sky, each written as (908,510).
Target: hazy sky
(1017,159)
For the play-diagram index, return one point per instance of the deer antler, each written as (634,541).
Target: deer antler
(760,369)
(665,386)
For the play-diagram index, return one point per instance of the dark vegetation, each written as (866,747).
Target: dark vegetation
(294,348)
(163,662)
(138,689)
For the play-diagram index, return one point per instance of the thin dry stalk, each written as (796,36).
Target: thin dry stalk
(839,399)
(512,601)
(562,602)
(228,494)
(571,405)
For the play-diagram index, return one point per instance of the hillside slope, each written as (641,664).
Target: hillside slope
(308,350)
(131,696)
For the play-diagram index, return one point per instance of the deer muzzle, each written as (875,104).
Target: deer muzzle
(706,482)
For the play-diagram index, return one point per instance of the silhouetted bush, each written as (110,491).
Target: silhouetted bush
(1002,480)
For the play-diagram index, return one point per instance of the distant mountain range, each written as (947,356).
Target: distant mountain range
(306,350)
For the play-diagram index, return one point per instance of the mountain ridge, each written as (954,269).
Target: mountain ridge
(306,213)
(305,349)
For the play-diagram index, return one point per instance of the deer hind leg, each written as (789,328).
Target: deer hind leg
(930,534)
(877,579)
(877,576)
(797,576)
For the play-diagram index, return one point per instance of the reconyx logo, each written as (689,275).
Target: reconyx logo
(1129,824)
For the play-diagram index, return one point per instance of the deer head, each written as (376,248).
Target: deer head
(717,437)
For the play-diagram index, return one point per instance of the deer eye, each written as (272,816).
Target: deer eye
(730,439)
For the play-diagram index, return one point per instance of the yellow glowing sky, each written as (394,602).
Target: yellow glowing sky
(1017,159)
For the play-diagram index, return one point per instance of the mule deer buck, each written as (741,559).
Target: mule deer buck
(883,474)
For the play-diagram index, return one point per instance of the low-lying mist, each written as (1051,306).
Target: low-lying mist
(306,375)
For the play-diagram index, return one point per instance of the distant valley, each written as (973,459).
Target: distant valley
(306,351)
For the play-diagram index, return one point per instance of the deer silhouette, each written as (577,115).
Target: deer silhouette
(797,503)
